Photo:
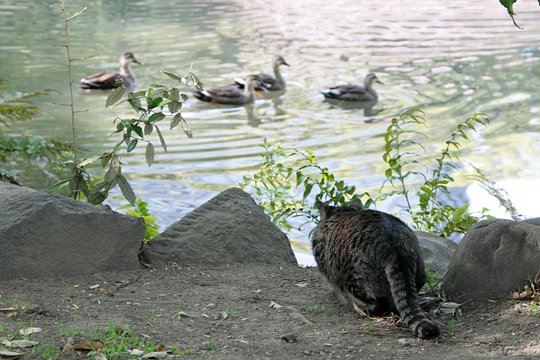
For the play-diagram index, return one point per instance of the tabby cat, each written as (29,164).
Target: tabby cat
(373,260)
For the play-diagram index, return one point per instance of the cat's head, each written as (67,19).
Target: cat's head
(326,211)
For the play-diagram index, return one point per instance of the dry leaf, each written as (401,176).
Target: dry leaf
(19,343)
(275,305)
(89,345)
(156,355)
(10,354)
(106,292)
(29,331)
(160,347)
(68,346)
(182,314)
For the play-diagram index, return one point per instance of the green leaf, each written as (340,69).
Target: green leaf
(148,128)
(128,192)
(174,106)
(114,169)
(509,5)
(156,117)
(115,96)
(132,145)
(135,103)
(174,94)
(161,139)
(175,120)
(172,76)
(152,103)
(138,130)
(158,93)
(150,154)
(88,161)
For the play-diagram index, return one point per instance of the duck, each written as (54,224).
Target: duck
(229,95)
(269,82)
(111,79)
(354,92)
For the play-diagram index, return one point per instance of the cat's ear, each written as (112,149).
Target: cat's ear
(319,204)
(324,210)
(356,204)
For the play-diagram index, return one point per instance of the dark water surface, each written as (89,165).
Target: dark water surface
(451,59)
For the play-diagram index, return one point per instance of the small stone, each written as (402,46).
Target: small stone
(509,349)
(307,352)
(404,342)
(290,338)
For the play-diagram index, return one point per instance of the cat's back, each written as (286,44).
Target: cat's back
(360,225)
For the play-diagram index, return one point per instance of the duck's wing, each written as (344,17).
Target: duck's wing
(344,91)
(203,95)
(265,82)
(102,80)
(222,95)
(229,92)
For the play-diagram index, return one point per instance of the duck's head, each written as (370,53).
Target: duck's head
(279,60)
(128,58)
(371,78)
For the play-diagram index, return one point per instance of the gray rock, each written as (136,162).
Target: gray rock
(44,234)
(229,228)
(437,252)
(494,258)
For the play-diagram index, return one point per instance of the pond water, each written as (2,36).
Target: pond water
(451,59)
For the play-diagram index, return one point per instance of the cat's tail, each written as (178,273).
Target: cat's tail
(403,286)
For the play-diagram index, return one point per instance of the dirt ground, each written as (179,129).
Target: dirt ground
(250,312)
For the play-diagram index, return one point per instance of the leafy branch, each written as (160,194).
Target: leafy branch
(286,180)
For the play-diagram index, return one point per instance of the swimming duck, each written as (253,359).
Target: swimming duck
(229,95)
(112,79)
(352,92)
(269,82)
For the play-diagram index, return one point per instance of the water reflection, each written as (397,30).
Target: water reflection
(367,107)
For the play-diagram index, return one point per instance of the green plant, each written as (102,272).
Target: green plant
(149,318)
(316,309)
(118,342)
(46,352)
(230,312)
(141,210)
(500,194)
(149,105)
(22,155)
(213,346)
(433,281)
(430,213)
(286,179)
(453,325)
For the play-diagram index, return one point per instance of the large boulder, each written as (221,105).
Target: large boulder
(437,252)
(43,234)
(228,229)
(494,258)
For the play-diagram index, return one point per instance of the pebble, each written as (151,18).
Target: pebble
(290,338)
(404,342)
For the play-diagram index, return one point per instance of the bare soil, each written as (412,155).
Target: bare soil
(254,312)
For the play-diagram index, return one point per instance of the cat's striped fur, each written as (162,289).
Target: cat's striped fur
(373,259)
